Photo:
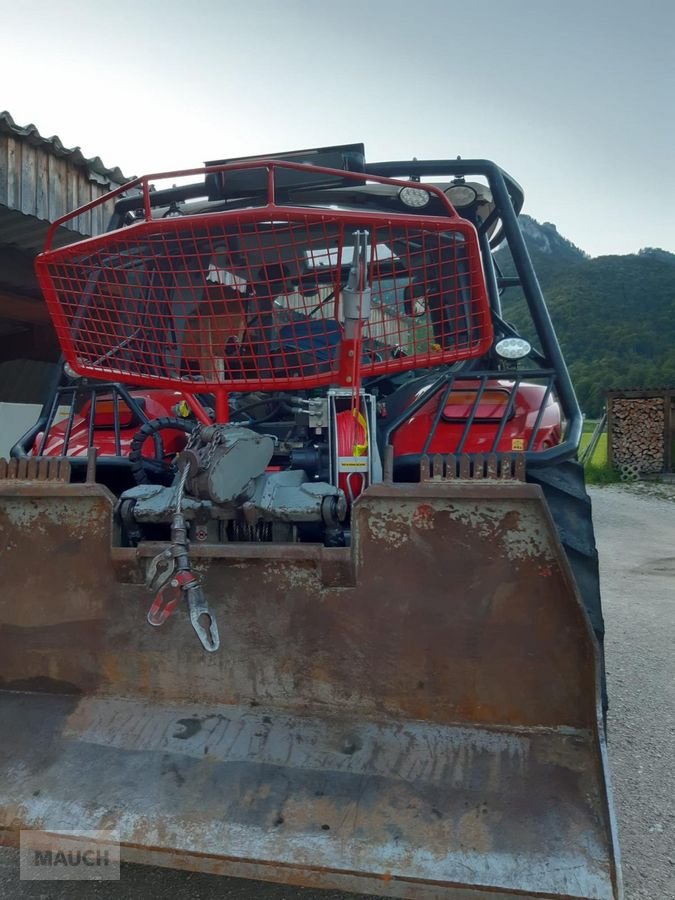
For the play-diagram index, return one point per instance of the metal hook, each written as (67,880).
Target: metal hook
(164,603)
(198,607)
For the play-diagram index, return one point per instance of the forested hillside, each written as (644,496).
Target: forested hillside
(614,315)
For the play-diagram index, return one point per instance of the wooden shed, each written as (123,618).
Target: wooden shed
(40,180)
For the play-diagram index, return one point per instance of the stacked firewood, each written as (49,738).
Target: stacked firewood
(637,437)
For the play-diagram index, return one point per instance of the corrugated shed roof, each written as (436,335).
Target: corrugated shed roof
(94,165)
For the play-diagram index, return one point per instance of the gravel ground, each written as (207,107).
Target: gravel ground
(636,536)
(635,529)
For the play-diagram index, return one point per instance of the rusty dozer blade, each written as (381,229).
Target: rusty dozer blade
(412,717)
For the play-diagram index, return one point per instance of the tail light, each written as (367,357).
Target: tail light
(104,413)
(491,406)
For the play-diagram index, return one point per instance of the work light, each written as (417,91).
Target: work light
(414,197)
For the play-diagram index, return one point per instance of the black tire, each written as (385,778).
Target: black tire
(564,487)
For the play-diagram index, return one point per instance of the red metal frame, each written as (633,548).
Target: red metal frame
(133,305)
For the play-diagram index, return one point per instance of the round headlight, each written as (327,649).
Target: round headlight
(414,197)
(512,348)
(461,195)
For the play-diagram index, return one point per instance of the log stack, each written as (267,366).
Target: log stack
(637,434)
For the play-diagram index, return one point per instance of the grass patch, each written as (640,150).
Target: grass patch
(601,474)
(599,458)
(597,469)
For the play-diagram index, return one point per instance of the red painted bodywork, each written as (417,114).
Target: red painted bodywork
(518,430)
(156,404)
(408,439)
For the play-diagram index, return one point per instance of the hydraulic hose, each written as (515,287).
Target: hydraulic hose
(149,430)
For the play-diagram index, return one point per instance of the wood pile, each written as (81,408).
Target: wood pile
(637,434)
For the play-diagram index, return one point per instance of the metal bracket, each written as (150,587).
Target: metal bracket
(356,293)
(161,568)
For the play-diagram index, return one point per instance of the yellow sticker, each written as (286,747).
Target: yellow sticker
(517,444)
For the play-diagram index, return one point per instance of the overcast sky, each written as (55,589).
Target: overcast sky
(573,97)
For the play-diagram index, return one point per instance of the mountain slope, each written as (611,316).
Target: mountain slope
(614,315)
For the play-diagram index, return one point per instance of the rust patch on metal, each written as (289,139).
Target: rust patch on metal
(394,717)
(410,809)
(474,466)
(423,517)
(35,470)
(443,614)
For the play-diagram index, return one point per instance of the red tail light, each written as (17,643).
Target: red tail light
(104,413)
(491,405)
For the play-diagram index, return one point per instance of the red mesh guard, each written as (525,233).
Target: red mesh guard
(251,300)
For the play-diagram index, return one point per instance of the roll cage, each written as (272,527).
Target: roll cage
(218,192)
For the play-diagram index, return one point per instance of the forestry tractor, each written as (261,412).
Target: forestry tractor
(300,575)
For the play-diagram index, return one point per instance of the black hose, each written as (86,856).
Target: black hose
(277,402)
(148,430)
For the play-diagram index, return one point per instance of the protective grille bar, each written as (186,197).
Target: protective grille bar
(253,299)
(475,385)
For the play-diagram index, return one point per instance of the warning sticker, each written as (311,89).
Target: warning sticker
(353,464)
(62,412)
(517,444)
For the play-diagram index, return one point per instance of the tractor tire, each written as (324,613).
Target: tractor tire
(565,490)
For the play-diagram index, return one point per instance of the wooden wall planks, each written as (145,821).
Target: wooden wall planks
(37,183)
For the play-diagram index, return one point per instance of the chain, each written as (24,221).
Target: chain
(213,444)
(192,442)
(193,438)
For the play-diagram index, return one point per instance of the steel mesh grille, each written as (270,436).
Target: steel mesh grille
(245,301)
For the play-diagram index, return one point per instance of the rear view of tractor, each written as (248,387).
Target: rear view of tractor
(300,577)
